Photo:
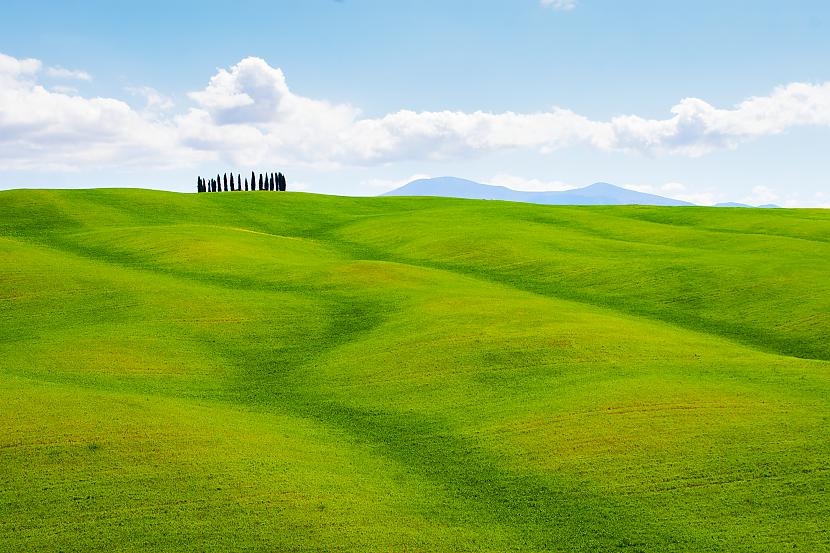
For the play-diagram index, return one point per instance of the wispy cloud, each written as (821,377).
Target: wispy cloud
(59,72)
(155,103)
(529,184)
(563,5)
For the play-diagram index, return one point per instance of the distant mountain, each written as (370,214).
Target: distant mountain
(600,193)
(731,204)
(736,204)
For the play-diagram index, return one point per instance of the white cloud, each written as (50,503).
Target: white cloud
(563,5)
(679,191)
(261,117)
(698,128)
(59,72)
(13,68)
(820,199)
(154,101)
(761,195)
(48,129)
(529,185)
(65,89)
(385,185)
(247,115)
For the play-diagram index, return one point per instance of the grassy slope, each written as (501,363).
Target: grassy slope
(289,371)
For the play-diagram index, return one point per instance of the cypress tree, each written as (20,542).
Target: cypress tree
(282,182)
(226,181)
(253,181)
(260,181)
(232,186)
(198,184)
(239,182)
(246,185)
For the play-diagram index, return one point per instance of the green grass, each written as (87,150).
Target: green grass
(307,373)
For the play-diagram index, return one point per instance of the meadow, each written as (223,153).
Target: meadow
(296,372)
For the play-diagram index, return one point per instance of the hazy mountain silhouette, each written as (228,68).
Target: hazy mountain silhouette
(736,204)
(600,193)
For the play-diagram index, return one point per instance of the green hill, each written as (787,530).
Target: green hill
(285,372)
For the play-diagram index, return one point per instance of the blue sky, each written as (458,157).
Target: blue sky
(359,96)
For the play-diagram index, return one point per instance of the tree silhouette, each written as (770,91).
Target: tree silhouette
(281,181)
(239,182)
(232,186)
(253,181)
(246,185)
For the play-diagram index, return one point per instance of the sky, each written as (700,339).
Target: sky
(706,101)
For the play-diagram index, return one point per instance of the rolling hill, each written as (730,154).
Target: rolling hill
(599,193)
(298,372)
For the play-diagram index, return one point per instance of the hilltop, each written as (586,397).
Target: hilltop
(302,372)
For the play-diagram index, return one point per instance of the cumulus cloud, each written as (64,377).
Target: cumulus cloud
(51,129)
(259,114)
(248,115)
(563,5)
(697,128)
(59,72)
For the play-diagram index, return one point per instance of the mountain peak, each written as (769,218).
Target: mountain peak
(599,193)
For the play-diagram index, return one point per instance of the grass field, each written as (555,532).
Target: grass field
(291,372)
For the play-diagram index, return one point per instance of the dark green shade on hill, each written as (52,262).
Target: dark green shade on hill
(293,372)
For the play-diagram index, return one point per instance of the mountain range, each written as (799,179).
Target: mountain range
(600,193)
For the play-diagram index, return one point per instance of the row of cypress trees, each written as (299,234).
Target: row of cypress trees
(267,181)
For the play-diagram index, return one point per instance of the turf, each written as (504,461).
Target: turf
(297,372)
